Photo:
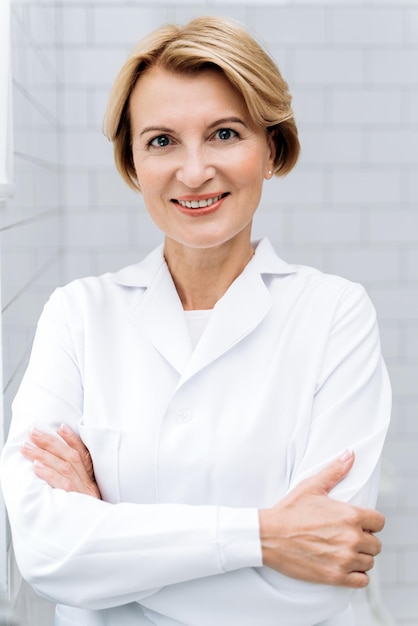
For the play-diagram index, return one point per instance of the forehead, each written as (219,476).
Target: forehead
(161,91)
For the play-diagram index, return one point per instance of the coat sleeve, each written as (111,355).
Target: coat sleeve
(62,540)
(351,401)
(351,409)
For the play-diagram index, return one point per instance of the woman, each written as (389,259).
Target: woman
(218,391)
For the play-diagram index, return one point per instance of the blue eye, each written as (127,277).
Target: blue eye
(160,142)
(225,134)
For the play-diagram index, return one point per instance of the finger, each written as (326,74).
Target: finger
(61,468)
(370,545)
(357,580)
(59,474)
(34,453)
(370,520)
(45,459)
(53,478)
(71,438)
(50,467)
(30,451)
(75,442)
(45,441)
(57,453)
(325,480)
(364,563)
(373,521)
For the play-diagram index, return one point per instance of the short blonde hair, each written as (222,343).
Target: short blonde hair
(207,42)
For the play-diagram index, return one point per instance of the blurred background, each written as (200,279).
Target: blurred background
(349,207)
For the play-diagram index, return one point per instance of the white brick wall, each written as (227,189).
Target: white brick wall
(328,66)
(289,25)
(31,222)
(365,106)
(349,207)
(367,26)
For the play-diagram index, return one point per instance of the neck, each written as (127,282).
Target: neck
(203,275)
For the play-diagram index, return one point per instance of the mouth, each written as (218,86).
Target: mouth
(201,203)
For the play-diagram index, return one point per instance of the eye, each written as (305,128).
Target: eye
(226,134)
(160,142)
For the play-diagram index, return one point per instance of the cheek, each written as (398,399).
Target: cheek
(253,161)
(148,175)
(251,170)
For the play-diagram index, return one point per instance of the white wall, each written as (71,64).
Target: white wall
(349,207)
(31,222)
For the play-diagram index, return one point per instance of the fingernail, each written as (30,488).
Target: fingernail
(65,429)
(35,432)
(28,446)
(38,464)
(346,455)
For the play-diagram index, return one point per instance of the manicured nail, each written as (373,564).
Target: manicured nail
(346,455)
(35,432)
(38,464)
(65,429)
(28,446)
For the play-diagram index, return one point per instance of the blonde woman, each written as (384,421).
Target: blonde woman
(197,438)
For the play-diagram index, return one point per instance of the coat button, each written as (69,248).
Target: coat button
(184,415)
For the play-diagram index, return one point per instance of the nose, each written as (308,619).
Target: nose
(194,170)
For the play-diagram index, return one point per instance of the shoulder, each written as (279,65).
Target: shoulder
(331,294)
(315,281)
(111,288)
(314,294)
(88,294)
(300,278)
(304,288)
(311,284)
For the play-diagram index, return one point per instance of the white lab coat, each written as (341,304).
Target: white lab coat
(187,444)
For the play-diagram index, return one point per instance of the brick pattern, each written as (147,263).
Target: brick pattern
(349,207)
(31,223)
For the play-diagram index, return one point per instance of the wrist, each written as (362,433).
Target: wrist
(265,518)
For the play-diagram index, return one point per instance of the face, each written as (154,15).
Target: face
(200,159)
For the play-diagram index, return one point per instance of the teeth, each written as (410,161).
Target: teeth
(198,204)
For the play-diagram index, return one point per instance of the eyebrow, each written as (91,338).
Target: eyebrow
(165,129)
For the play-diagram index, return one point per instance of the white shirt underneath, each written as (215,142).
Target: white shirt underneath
(197,320)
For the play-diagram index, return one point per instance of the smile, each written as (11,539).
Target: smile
(200,204)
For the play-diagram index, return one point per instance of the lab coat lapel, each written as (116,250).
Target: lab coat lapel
(241,309)
(235,315)
(160,317)
(159,314)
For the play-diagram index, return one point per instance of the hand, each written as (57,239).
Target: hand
(64,463)
(311,537)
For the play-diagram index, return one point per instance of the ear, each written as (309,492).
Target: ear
(271,146)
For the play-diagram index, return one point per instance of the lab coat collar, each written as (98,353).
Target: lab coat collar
(160,316)
(142,274)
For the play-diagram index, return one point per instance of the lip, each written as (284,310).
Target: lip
(199,211)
